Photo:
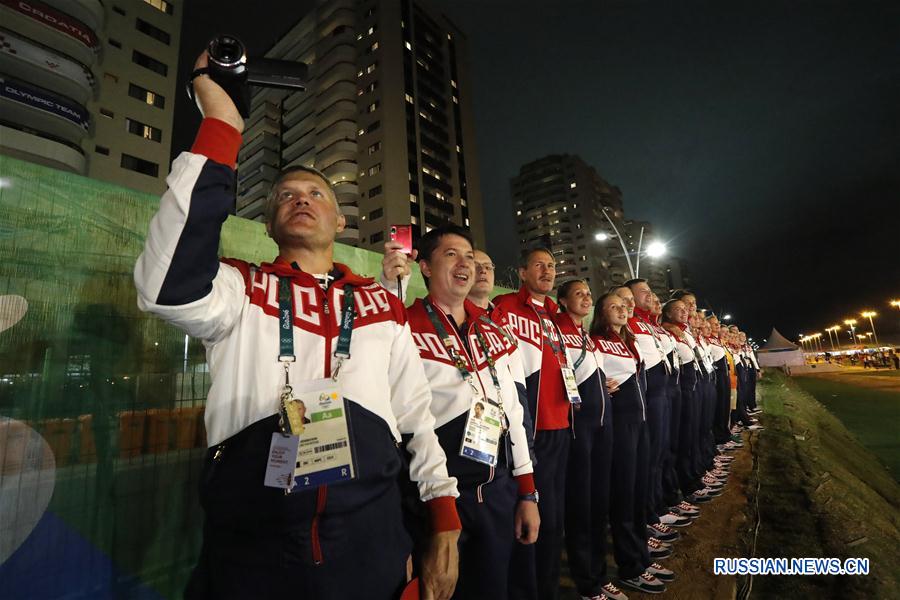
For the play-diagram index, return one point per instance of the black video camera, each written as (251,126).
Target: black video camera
(231,69)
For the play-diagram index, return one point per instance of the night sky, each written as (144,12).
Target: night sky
(761,139)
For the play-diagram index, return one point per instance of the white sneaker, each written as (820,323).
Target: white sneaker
(673,520)
(661,573)
(613,593)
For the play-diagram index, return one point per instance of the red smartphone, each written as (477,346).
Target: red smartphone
(402,234)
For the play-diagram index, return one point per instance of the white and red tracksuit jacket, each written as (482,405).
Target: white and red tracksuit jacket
(452,395)
(232,306)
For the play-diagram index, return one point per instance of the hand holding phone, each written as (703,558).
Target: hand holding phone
(402,234)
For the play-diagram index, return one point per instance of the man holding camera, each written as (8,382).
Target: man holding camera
(314,515)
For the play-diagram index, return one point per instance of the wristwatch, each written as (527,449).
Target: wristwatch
(532,497)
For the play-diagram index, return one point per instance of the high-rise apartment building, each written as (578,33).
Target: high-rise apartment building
(559,202)
(88,86)
(386,117)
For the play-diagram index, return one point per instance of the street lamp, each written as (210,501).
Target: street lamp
(727,317)
(863,337)
(895,303)
(830,330)
(868,315)
(601,237)
(851,323)
(819,342)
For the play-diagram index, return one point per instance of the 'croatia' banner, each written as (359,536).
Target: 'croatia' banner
(53,18)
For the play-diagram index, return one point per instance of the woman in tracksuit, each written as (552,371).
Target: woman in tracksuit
(670,495)
(590,452)
(675,320)
(622,362)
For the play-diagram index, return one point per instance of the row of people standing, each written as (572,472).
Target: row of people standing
(613,448)
(319,375)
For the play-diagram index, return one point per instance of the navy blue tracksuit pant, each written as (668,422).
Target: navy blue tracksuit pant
(657,407)
(705,445)
(721,426)
(486,541)
(687,433)
(751,391)
(534,569)
(671,488)
(628,502)
(587,497)
(739,414)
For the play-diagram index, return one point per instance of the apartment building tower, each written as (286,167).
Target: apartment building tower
(386,117)
(559,202)
(88,86)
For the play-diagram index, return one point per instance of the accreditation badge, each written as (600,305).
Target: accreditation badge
(318,419)
(568,376)
(484,427)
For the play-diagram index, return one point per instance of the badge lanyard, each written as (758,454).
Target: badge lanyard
(460,363)
(558,351)
(584,343)
(286,339)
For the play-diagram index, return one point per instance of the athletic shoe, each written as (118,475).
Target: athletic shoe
(644,583)
(661,573)
(755,427)
(686,508)
(597,597)
(613,593)
(718,473)
(657,550)
(704,495)
(736,443)
(662,532)
(674,520)
(652,540)
(712,482)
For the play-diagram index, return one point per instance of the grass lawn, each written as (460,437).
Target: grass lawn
(873,416)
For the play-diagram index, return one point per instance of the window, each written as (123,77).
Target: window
(153,31)
(371,68)
(408,46)
(374,191)
(115,43)
(376,237)
(161,6)
(573,185)
(147,132)
(375,125)
(376,214)
(145,95)
(139,165)
(102,150)
(414,219)
(409,98)
(372,48)
(110,77)
(374,169)
(105,112)
(119,10)
(148,62)
(374,148)
(372,107)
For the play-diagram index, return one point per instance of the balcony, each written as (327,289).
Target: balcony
(262,157)
(341,171)
(43,111)
(263,141)
(89,12)
(340,72)
(41,150)
(336,152)
(61,32)
(307,140)
(263,110)
(29,63)
(247,178)
(342,90)
(339,54)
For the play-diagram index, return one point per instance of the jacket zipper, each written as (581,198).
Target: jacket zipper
(483,393)
(640,394)
(322,494)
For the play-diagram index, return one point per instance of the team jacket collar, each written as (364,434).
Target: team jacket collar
(473,311)
(644,315)
(282,267)
(525,298)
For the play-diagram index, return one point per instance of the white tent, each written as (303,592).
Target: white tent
(778,351)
